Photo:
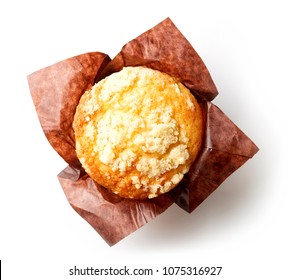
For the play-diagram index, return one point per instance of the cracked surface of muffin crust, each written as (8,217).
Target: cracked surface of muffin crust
(137,132)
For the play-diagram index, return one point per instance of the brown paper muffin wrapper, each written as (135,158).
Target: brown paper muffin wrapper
(56,91)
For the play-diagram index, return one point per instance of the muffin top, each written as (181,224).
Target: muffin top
(137,132)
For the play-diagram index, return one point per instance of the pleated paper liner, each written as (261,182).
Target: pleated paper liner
(56,91)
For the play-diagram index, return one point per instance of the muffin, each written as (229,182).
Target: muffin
(137,132)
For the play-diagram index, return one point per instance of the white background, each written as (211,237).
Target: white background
(243,226)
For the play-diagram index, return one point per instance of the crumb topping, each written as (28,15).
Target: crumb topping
(131,125)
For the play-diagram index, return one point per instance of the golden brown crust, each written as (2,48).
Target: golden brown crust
(137,132)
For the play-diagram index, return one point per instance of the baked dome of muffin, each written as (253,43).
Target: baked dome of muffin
(137,132)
